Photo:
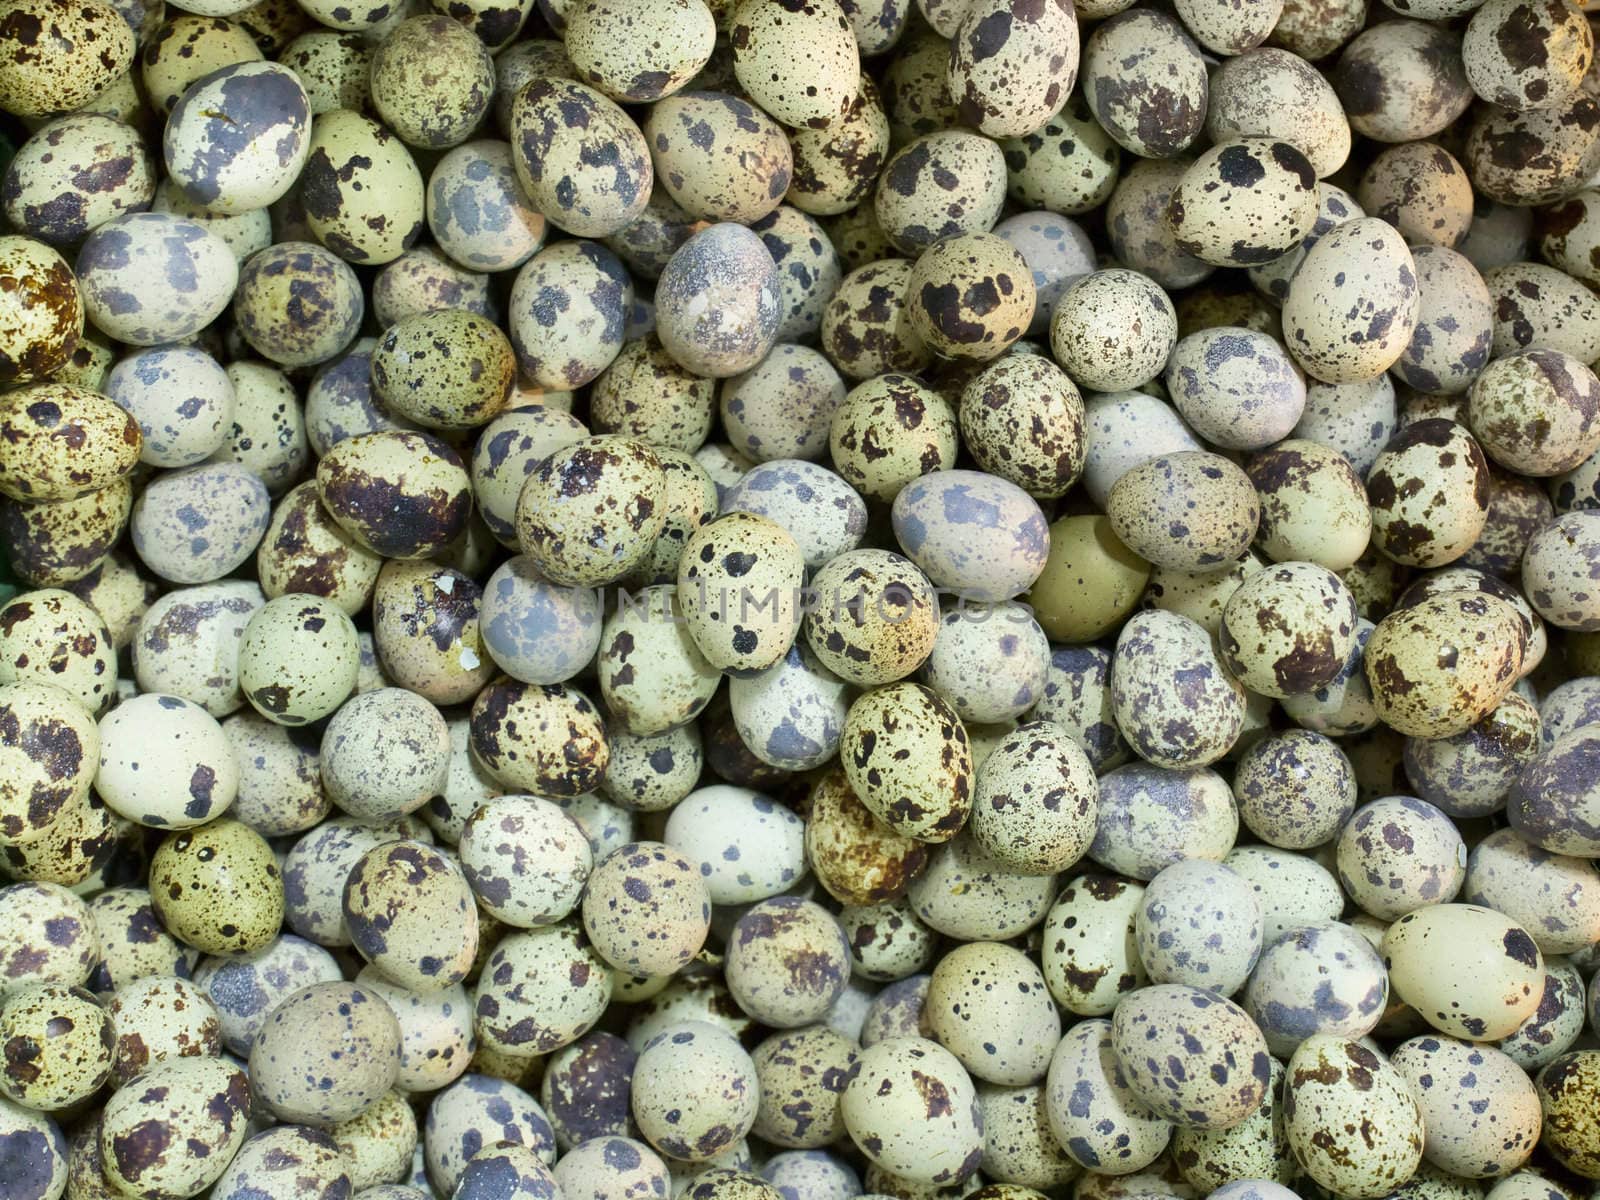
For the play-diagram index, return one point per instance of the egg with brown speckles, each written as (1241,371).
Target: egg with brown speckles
(739,581)
(1175,702)
(798,61)
(1440,666)
(1536,412)
(360,188)
(912,1109)
(590,513)
(906,756)
(298,659)
(1145,81)
(970,296)
(57,542)
(640,52)
(75,174)
(49,750)
(1521,55)
(56,58)
(1359,279)
(1287,630)
(148,1135)
(1012,68)
(1244,202)
(1351,1118)
(41,315)
(942,185)
(718,156)
(646,909)
(1429,490)
(1192,511)
(59,1045)
(432,79)
(1569,1089)
(411,915)
(50,636)
(546,740)
(446,370)
(165,762)
(218,888)
(398,493)
(297,304)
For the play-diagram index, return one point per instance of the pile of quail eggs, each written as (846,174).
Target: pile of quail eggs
(799,600)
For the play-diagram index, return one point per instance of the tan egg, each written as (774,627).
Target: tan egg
(639,52)
(51,636)
(645,394)
(873,618)
(186,1103)
(280,783)
(1113,330)
(187,644)
(447,370)
(218,888)
(1313,505)
(548,741)
(58,442)
(425,622)
(1536,412)
(1491,986)
(411,914)
(739,582)
(646,910)
(866,326)
(298,659)
(1278,94)
(1035,801)
(316,286)
(186,49)
(1090,581)
(581,159)
(1557,571)
(856,857)
(835,167)
(432,80)
(1288,629)
(568,312)
(541,989)
(1569,1089)
(907,759)
(718,156)
(1191,511)
(57,542)
(889,431)
(41,315)
(397,493)
(1429,491)
(160,1017)
(55,59)
(942,185)
(377,1147)
(800,63)
(590,513)
(361,189)
(1351,1118)
(1145,80)
(1442,665)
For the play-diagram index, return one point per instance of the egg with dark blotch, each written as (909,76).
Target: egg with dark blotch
(150,278)
(361,189)
(567,313)
(58,442)
(55,58)
(238,138)
(399,494)
(298,304)
(581,159)
(75,174)
(718,301)
(183,1103)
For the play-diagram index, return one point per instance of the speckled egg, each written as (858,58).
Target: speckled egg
(361,191)
(506,453)
(1295,789)
(237,138)
(150,278)
(1429,490)
(694,1091)
(580,158)
(444,370)
(790,714)
(1453,1081)
(297,304)
(989,661)
(799,62)
(298,659)
(1288,630)
(1351,1118)
(1313,504)
(436,1036)
(75,174)
(1199,1029)
(719,157)
(787,962)
(1499,991)
(43,1171)
(157,1018)
(1553,802)
(1200,925)
(288,1158)
(384,754)
(1272,92)
(942,185)
(541,989)
(50,936)
(52,637)
(989,1006)
(218,888)
(970,296)
(718,301)
(1151,817)
(1439,667)
(149,1134)
(432,80)
(477,210)
(1469,774)
(1091,1110)
(893,737)
(57,59)
(1398,854)
(652,675)
(59,1042)
(913,1110)
(612,1168)
(1402,83)
(866,328)
(1567,1090)
(1236,387)
(61,441)
(310,1026)
(280,785)
(421,280)
(1536,412)
(938,519)
(333,68)
(478,1111)
(187,48)
(639,52)
(305,551)
(1243,202)
(860,861)
(534,630)
(739,581)
(1145,81)
(1174,700)
(824,514)
(644,393)
(398,493)
(426,623)
(548,741)
(1035,800)
(1324,978)
(200,523)
(567,313)
(646,909)
(1358,282)
(1192,511)
(1113,329)
(165,762)
(1526,56)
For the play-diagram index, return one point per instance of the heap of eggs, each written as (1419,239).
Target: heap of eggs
(799,600)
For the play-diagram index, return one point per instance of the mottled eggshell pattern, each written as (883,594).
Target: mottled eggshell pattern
(545,740)
(148,1133)
(52,637)
(53,190)
(717,301)
(1192,511)
(150,278)
(1200,925)
(580,158)
(1236,387)
(749,847)
(1167,1026)
(970,296)
(1452,1079)
(244,990)
(799,62)
(939,521)
(1244,202)
(238,137)
(541,989)
(719,157)
(322,1018)
(1150,817)
(640,52)
(694,1091)
(907,757)
(1399,854)
(1288,629)
(1351,1118)
(384,754)
(1010,70)
(198,524)
(60,1045)
(1175,702)
(361,191)
(860,861)
(1526,56)
(1324,978)
(289,1156)
(399,494)
(1352,306)
(787,962)
(1035,800)
(914,1111)
(1092,1111)
(431,81)
(989,1006)
(477,210)
(739,582)
(426,941)
(298,659)
(1536,412)
(1429,490)
(1499,993)
(646,886)
(534,630)
(947,183)
(1145,81)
